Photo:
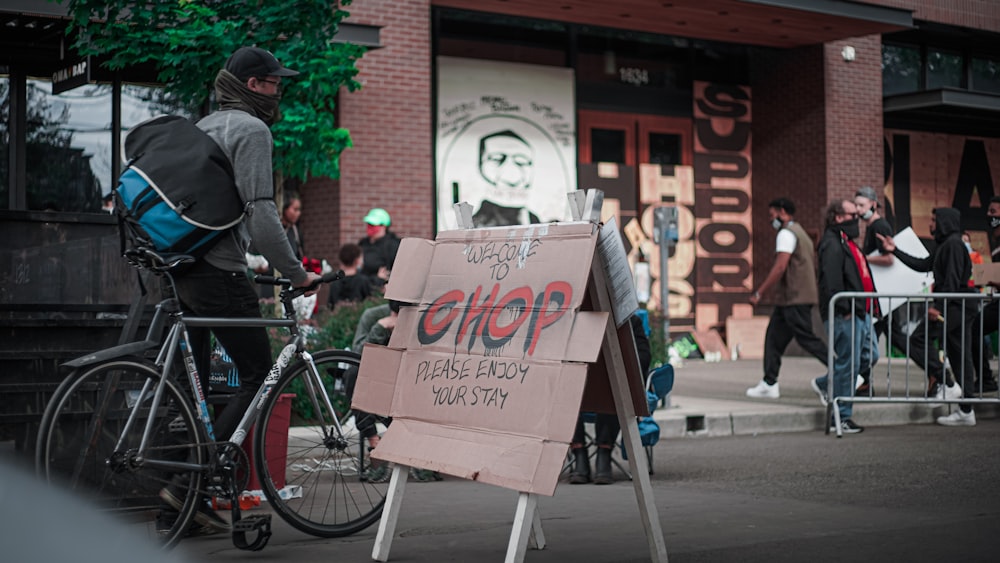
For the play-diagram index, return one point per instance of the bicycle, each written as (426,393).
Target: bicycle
(120,428)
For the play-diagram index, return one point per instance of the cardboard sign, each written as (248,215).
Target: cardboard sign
(484,375)
(985,274)
(898,278)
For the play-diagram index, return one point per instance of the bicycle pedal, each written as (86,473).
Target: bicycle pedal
(252,523)
(259,524)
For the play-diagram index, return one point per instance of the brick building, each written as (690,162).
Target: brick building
(714,107)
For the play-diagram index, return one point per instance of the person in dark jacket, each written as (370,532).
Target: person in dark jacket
(843,267)
(606,426)
(354,286)
(379,246)
(946,321)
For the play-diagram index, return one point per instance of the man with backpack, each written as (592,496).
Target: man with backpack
(247,93)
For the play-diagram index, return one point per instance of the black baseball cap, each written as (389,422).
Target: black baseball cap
(249,62)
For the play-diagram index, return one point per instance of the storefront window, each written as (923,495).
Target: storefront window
(607,145)
(986,75)
(69,143)
(900,69)
(638,60)
(4,139)
(664,148)
(944,69)
(67,147)
(476,35)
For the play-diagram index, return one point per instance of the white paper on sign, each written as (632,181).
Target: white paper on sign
(898,278)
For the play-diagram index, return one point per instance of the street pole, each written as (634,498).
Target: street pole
(665,235)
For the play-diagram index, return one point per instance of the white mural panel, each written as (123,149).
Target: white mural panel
(506,141)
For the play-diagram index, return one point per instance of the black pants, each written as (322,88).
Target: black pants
(985,322)
(365,422)
(787,322)
(606,427)
(951,334)
(207,291)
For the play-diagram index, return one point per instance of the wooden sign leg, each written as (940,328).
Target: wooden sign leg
(537,536)
(524,520)
(390,513)
(618,378)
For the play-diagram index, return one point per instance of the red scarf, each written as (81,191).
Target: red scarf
(866,276)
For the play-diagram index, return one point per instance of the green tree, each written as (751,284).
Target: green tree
(188,41)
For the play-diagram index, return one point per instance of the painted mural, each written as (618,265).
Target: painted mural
(722,182)
(506,141)
(928,170)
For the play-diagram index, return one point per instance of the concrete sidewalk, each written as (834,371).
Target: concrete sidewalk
(709,399)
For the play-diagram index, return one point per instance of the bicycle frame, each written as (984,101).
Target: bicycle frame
(177,338)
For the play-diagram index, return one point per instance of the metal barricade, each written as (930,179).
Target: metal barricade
(899,382)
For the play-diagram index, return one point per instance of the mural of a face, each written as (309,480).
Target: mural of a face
(506,161)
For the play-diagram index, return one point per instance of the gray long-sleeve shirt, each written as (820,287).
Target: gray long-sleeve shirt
(247,142)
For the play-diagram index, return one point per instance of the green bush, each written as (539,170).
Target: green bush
(332,330)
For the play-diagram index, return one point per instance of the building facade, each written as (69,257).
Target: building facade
(715,107)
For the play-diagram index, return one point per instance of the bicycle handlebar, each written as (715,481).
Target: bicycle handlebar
(296,291)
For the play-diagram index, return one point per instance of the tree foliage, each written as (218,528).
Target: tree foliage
(188,41)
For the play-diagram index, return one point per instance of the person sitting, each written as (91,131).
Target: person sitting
(375,327)
(606,426)
(354,286)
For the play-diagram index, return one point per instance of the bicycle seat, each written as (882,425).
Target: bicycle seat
(158,261)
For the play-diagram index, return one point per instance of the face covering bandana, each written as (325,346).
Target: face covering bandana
(868,214)
(850,228)
(968,247)
(776,224)
(994,222)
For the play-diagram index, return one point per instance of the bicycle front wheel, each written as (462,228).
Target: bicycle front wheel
(311,472)
(91,444)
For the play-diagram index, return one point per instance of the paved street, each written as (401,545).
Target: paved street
(899,493)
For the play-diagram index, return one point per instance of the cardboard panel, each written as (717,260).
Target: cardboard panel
(482,375)
(515,462)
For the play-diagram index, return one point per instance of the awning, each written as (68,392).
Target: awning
(771,23)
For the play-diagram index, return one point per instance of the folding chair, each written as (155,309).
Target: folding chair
(658,385)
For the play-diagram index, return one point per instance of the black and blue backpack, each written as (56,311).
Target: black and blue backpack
(177,193)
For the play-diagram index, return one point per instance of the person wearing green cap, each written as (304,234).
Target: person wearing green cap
(379,246)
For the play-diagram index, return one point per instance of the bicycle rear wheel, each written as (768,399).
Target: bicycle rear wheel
(311,473)
(88,447)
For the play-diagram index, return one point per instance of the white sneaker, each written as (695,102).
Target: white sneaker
(764,390)
(815,387)
(945,392)
(958,418)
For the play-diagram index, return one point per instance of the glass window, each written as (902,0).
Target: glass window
(635,59)
(67,147)
(900,69)
(664,148)
(985,75)
(4,138)
(607,145)
(477,35)
(944,69)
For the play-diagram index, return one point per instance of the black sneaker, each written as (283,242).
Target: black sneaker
(847,426)
(424,475)
(204,516)
(378,472)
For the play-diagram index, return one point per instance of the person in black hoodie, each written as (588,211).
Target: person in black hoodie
(843,267)
(946,321)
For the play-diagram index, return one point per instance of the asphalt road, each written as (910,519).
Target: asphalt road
(903,493)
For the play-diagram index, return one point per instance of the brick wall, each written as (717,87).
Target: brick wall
(854,148)
(789,149)
(391,162)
